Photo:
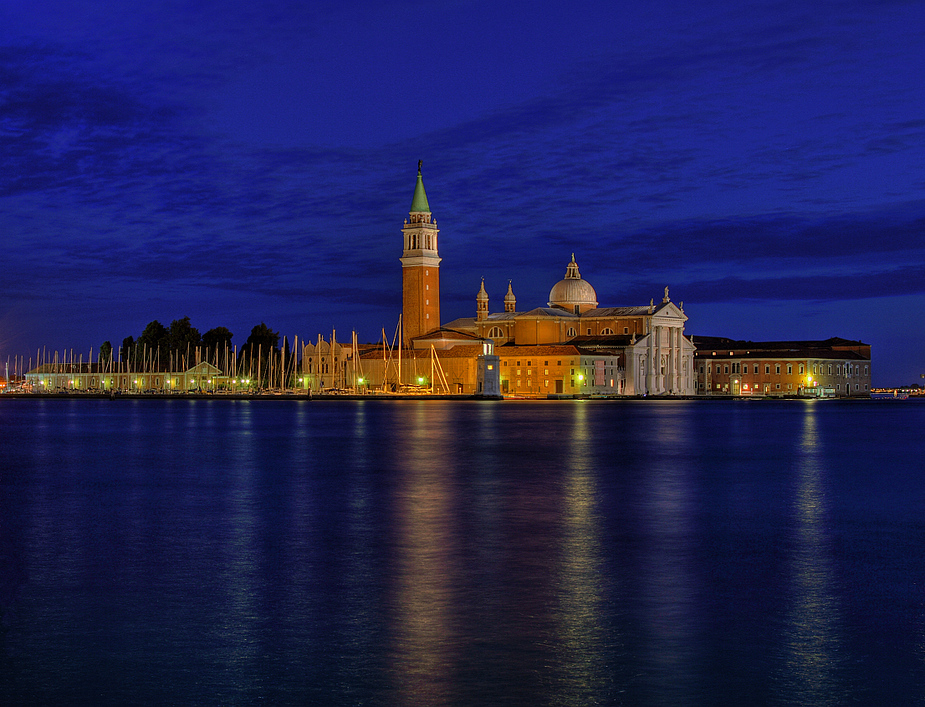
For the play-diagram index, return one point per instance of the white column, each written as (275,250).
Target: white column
(659,376)
(672,362)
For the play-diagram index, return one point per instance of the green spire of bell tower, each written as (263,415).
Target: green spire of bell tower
(419,202)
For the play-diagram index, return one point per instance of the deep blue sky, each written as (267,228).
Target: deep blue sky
(240,162)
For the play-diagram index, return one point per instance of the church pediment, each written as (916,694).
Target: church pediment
(668,311)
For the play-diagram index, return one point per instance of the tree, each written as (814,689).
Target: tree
(258,350)
(217,343)
(263,336)
(183,338)
(126,351)
(153,343)
(105,352)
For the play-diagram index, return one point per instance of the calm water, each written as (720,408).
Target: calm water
(435,553)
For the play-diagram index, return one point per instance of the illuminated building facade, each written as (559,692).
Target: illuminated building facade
(115,376)
(637,350)
(833,367)
(570,346)
(420,267)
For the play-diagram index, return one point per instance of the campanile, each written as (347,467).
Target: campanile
(420,268)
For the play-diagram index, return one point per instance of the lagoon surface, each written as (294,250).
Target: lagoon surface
(218,552)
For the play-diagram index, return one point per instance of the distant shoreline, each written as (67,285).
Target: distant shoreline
(401,396)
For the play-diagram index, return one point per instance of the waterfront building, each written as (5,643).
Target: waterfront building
(420,267)
(833,367)
(447,363)
(570,346)
(637,350)
(112,376)
(327,365)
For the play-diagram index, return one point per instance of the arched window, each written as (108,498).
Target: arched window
(607,332)
(571,331)
(496,333)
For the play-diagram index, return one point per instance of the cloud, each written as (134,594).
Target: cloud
(899,281)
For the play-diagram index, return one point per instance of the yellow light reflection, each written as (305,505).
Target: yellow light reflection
(581,636)
(426,647)
(812,632)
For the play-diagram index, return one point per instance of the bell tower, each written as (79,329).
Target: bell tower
(420,268)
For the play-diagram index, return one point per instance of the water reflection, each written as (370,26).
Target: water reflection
(424,648)
(813,674)
(415,553)
(239,543)
(581,625)
(670,591)
(498,587)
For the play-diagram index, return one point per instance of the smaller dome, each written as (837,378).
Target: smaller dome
(573,293)
(509,297)
(482,294)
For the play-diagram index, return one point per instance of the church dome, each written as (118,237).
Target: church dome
(572,293)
